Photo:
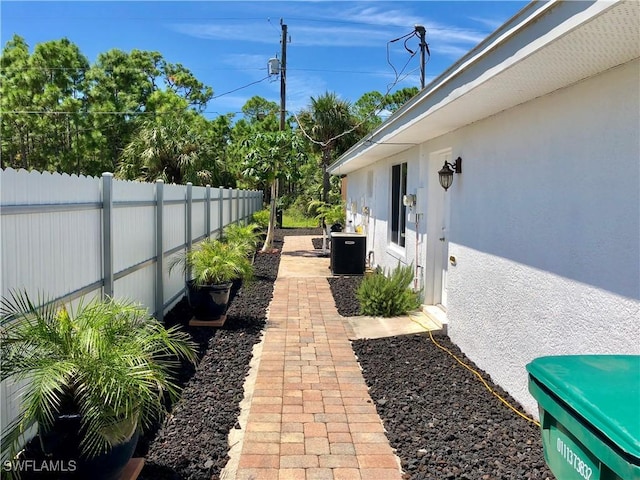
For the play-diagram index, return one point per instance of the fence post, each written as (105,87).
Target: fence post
(230,206)
(159,251)
(189,226)
(244,207)
(238,206)
(207,211)
(107,235)
(220,210)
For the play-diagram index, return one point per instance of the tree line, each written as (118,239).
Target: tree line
(142,117)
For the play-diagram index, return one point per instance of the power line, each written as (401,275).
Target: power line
(133,112)
(240,88)
(377,108)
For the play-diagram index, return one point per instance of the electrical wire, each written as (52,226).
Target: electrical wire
(477,374)
(240,88)
(49,112)
(377,108)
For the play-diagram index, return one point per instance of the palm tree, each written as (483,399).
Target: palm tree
(332,127)
(177,147)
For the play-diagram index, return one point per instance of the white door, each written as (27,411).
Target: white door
(444,248)
(437,234)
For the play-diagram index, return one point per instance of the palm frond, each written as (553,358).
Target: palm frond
(110,360)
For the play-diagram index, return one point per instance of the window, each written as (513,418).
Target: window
(398,210)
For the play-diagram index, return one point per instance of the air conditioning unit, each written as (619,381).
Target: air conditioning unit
(348,253)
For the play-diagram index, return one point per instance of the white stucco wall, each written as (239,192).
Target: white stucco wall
(377,199)
(544,224)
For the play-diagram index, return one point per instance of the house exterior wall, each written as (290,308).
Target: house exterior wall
(544,226)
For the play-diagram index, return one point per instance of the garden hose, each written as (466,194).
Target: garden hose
(477,374)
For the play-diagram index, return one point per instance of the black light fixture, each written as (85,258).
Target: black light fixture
(446,172)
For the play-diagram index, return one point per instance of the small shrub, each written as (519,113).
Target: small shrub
(261,217)
(388,296)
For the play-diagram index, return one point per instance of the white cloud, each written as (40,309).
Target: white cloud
(261,33)
(491,23)
(300,89)
(378,16)
(255,64)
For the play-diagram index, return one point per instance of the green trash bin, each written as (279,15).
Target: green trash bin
(589,414)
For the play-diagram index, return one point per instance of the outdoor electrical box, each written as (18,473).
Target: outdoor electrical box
(409,200)
(589,415)
(348,253)
(273,66)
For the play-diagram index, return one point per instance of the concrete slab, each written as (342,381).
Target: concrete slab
(379,327)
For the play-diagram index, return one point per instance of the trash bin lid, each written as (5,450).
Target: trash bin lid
(603,389)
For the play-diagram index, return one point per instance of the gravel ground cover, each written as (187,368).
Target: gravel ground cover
(317,243)
(192,444)
(343,289)
(442,421)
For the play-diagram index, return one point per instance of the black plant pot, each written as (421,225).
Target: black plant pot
(209,302)
(62,454)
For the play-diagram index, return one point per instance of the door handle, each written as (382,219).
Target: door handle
(441,239)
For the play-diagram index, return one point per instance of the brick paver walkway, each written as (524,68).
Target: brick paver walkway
(310,416)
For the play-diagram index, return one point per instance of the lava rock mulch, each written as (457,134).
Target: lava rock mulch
(440,419)
(192,444)
(317,243)
(344,290)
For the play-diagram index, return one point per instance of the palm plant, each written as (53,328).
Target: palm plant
(245,237)
(326,214)
(177,148)
(333,127)
(215,262)
(108,361)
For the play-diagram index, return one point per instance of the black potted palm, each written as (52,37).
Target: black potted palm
(214,265)
(94,377)
(331,217)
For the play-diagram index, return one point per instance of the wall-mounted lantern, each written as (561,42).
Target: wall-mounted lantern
(446,172)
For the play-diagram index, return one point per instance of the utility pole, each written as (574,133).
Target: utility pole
(283,76)
(423,47)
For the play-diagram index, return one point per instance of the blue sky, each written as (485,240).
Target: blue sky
(340,47)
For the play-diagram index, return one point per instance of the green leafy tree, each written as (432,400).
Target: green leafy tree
(15,96)
(258,108)
(42,101)
(398,98)
(367,108)
(273,156)
(182,82)
(61,114)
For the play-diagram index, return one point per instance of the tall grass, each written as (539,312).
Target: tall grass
(292,218)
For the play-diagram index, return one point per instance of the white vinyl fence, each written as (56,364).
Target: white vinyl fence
(63,237)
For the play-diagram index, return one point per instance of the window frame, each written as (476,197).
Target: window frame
(398,211)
